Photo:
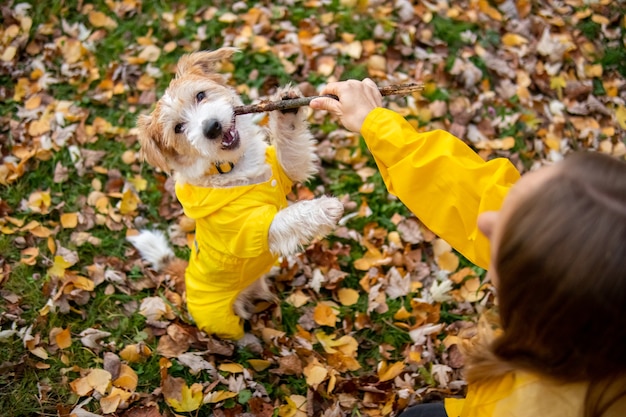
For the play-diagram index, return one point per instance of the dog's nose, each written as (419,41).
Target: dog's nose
(211,128)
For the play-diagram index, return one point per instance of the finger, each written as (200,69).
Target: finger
(330,88)
(369,82)
(325,103)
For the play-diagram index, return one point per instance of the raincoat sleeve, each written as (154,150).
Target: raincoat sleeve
(439,178)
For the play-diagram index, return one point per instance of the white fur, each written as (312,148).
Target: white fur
(301,222)
(153,247)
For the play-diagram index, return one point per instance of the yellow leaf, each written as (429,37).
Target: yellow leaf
(33,102)
(472,290)
(39,202)
(72,49)
(52,246)
(81,387)
(233,368)
(129,203)
(315,374)
(99,379)
(39,127)
(345,344)
(217,396)
(99,20)
(83,283)
(138,182)
(29,256)
(448,261)
(440,247)
(40,352)
(268,334)
(259,365)
(40,231)
(63,339)
(373,257)
(9,53)
(620,115)
(69,220)
(298,298)
(558,83)
(348,296)
(593,71)
(402,314)
(513,39)
(295,407)
(151,53)
(190,399)
(127,378)
(601,20)
(135,353)
(58,267)
(486,8)
(110,403)
(389,372)
(325,315)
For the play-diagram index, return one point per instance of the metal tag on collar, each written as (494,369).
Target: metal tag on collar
(224,167)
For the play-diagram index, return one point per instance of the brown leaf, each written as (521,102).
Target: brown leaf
(142,411)
(288,365)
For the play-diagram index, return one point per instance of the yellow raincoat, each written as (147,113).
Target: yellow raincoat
(439,178)
(446,185)
(522,394)
(231,248)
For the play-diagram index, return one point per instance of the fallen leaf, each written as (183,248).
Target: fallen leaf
(348,296)
(58,267)
(99,380)
(63,339)
(233,368)
(29,256)
(127,378)
(325,314)
(259,365)
(620,115)
(69,220)
(135,353)
(295,407)
(388,372)
(218,396)
(99,19)
(315,374)
(181,397)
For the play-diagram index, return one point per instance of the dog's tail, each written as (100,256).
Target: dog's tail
(153,247)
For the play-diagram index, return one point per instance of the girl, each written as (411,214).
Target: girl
(558,260)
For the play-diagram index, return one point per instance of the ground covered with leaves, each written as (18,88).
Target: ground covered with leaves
(370,319)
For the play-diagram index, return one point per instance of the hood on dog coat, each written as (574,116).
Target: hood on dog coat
(231,250)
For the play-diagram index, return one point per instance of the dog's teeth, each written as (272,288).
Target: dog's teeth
(230,139)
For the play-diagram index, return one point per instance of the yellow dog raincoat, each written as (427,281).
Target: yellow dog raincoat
(231,249)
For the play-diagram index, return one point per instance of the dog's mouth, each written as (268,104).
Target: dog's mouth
(230,137)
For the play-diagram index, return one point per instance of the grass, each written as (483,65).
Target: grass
(184,26)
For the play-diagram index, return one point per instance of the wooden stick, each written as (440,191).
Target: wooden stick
(400,89)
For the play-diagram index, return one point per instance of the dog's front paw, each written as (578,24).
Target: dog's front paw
(301,222)
(288,93)
(332,210)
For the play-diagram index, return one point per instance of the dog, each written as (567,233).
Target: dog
(232,176)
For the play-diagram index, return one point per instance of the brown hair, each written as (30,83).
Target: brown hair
(561,265)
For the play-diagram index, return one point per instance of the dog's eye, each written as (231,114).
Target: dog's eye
(200,96)
(179,128)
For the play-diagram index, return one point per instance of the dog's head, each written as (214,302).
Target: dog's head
(193,125)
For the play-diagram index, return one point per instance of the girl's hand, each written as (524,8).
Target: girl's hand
(356,100)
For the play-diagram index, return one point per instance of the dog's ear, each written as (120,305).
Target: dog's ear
(203,62)
(150,139)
